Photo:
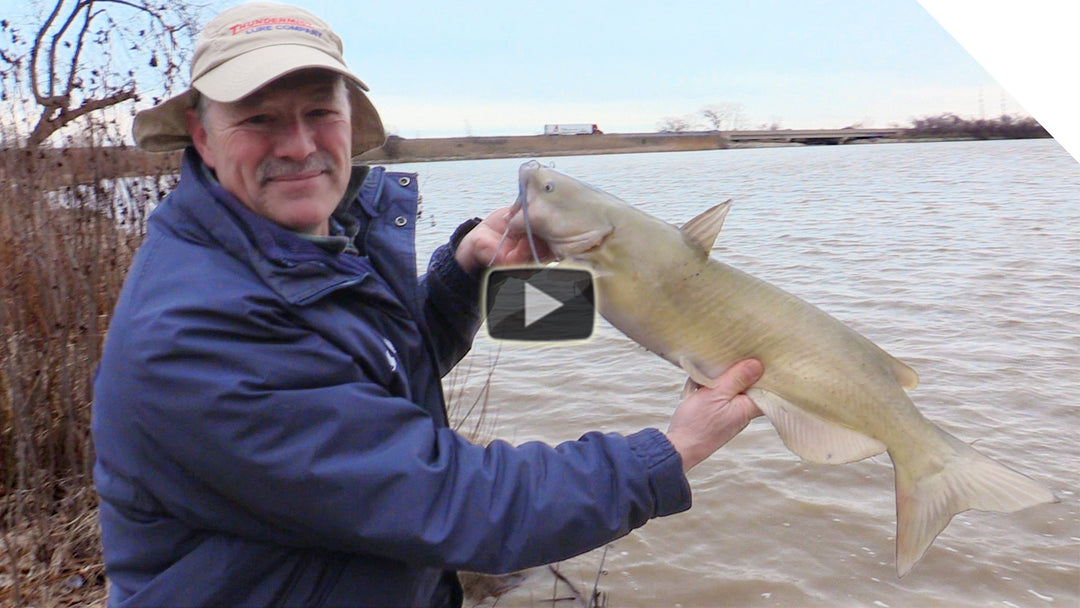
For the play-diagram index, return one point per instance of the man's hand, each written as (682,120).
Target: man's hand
(709,417)
(478,248)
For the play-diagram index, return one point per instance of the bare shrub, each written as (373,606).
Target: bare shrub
(64,253)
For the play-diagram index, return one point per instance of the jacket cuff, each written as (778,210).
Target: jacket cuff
(668,483)
(452,274)
(465,228)
(446,267)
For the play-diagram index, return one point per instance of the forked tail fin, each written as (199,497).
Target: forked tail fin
(969,480)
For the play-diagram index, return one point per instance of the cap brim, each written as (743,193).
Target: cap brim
(367,128)
(244,74)
(163,128)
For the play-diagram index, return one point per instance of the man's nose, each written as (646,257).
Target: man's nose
(295,140)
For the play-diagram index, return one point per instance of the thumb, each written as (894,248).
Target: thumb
(732,385)
(740,377)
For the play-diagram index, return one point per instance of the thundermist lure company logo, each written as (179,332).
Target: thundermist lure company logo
(274,23)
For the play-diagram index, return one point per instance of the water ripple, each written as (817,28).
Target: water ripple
(962,259)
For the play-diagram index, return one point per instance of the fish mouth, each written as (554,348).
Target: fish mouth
(562,247)
(573,247)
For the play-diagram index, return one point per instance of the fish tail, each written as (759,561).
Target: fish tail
(963,479)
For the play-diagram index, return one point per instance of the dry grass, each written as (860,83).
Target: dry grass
(55,557)
(68,233)
(64,251)
(67,236)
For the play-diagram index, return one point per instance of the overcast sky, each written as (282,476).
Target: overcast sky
(499,67)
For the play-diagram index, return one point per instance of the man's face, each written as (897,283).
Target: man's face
(284,150)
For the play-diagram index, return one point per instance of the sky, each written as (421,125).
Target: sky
(507,68)
(470,67)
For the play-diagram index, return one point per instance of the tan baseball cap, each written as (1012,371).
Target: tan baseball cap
(245,48)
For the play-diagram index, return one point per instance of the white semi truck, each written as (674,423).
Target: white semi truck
(572,129)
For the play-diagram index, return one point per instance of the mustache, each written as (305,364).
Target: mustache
(270,168)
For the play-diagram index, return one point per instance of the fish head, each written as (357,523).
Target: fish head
(569,215)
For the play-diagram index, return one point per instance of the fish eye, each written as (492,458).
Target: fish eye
(549,187)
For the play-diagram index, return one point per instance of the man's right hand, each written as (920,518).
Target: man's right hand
(709,417)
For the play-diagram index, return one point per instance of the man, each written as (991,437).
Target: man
(268,417)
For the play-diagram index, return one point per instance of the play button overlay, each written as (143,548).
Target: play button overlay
(539,304)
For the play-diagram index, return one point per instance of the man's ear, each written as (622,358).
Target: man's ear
(198,136)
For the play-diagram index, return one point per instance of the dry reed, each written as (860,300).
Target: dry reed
(70,223)
(68,231)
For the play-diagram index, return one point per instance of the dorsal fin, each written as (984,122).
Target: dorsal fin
(705,228)
(907,377)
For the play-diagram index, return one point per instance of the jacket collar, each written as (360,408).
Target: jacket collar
(297,269)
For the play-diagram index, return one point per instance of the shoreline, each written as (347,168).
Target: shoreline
(85,165)
(402,150)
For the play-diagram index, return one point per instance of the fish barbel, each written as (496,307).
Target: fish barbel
(832,394)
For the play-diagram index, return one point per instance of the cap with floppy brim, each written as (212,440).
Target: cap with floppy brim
(163,128)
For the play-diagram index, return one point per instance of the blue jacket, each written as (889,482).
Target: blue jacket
(270,429)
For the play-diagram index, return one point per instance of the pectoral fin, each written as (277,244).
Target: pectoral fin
(811,437)
(696,373)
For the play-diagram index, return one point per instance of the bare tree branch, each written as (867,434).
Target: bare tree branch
(46,126)
(34,53)
(78,64)
(73,70)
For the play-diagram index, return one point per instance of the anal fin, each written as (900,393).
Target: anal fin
(813,438)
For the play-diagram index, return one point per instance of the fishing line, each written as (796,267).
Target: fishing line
(528,235)
(522,199)
(498,248)
(525,214)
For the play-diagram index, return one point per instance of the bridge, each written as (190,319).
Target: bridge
(810,136)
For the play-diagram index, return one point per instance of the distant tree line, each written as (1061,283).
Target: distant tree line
(730,116)
(724,116)
(1003,127)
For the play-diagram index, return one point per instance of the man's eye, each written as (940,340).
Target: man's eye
(257,119)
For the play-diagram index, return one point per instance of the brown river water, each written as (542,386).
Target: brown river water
(962,259)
